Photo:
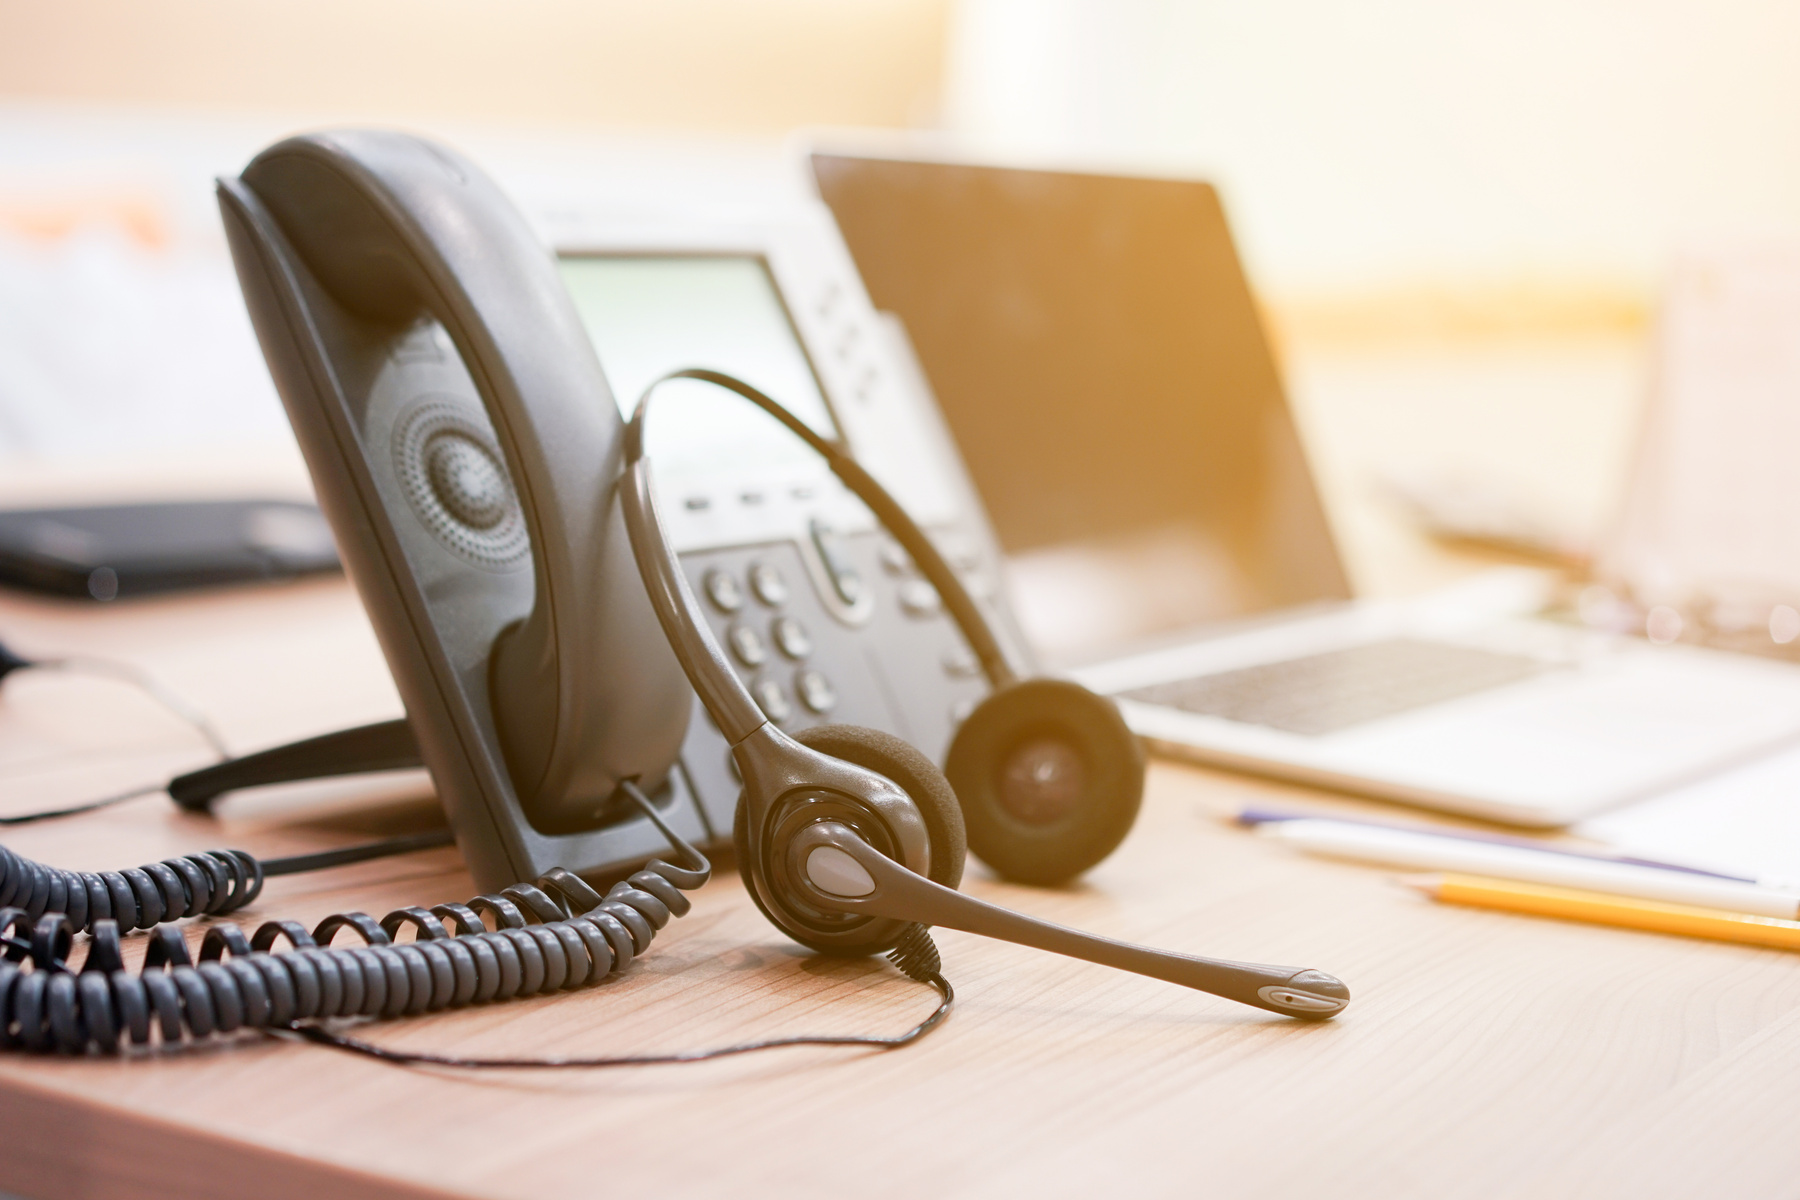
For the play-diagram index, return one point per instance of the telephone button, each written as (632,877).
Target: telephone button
(960,664)
(895,560)
(919,599)
(774,701)
(979,586)
(768,585)
(849,584)
(846,580)
(815,691)
(960,550)
(748,645)
(846,343)
(723,589)
(791,637)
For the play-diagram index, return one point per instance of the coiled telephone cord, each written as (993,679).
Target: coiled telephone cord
(209,882)
(554,935)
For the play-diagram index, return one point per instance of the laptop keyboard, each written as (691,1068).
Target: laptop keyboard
(1323,693)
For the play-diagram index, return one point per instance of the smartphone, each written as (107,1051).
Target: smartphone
(105,552)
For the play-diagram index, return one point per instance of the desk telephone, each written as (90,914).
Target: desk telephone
(771,643)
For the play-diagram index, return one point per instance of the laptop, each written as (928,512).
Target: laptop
(1098,356)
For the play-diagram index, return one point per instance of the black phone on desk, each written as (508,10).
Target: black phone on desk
(104,552)
(457,389)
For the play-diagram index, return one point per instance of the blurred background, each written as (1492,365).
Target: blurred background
(1458,218)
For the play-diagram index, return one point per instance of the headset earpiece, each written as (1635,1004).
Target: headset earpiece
(1049,777)
(914,774)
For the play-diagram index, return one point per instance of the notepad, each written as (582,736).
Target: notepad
(1745,821)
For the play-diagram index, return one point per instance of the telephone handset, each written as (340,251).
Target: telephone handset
(460,434)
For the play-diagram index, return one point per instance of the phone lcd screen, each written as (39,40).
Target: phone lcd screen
(652,314)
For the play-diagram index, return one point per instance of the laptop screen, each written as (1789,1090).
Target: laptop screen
(1097,354)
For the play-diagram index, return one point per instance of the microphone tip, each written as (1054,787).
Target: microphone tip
(1319,981)
(1309,995)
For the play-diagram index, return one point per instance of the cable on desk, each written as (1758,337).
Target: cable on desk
(124,672)
(916,956)
(48,814)
(556,934)
(107,668)
(208,882)
(406,843)
(112,668)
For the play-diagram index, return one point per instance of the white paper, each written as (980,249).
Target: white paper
(1743,822)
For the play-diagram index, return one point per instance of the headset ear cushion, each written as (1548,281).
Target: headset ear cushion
(918,777)
(1050,779)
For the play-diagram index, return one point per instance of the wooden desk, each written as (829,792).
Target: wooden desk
(1483,1055)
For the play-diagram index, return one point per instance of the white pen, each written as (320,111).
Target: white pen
(1428,852)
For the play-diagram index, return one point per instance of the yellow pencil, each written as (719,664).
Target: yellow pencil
(1603,909)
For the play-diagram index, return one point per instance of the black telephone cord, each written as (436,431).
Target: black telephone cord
(406,843)
(556,934)
(209,882)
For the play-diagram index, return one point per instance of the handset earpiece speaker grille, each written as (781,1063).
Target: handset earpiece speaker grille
(454,479)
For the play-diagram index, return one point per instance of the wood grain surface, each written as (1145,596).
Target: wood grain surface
(1483,1054)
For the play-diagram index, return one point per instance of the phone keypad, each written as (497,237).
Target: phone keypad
(898,663)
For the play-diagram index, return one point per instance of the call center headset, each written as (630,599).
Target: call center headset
(849,839)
